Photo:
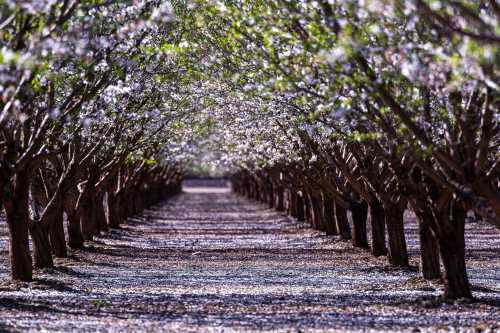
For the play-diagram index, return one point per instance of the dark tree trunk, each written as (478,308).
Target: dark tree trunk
(122,208)
(342,222)
(140,204)
(114,218)
(42,250)
(301,215)
(257,192)
(378,230)
(87,218)
(39,229)
(269,193)
(398,253)
(452,249)
(292,202)
(359,214)
(57,237)
(100,215)
(17,216)
(317,211)
(429,249)
(56,231)
(307,208)
(280,206)
(131,204)
(328,208)
(75,237)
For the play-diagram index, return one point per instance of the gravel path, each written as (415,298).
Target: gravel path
(210,261)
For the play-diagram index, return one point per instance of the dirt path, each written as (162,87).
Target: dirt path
(210,261)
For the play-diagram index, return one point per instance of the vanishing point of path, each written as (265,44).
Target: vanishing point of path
(208,260)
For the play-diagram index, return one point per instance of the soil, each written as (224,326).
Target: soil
(209,261)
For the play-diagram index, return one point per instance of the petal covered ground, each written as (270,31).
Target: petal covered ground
(210,261)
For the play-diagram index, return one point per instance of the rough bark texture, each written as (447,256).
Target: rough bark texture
(452,249)
(377,220)
(398,253)
(359,214)
(56,231)
(17,215)
(100,215)
(317,211)
(75,237)
(300,208)
(87,218)
(42,250)
(307,209)
(292,202)
(280,202)
(429,249)
(329,212)
(342,222)
(114,216)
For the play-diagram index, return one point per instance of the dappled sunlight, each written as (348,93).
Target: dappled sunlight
(278,165)
(208,258)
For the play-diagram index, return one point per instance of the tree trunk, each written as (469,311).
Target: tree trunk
(75,237)
(269,193)
(87,218)
(140,203)
(56,231)
(317,211)
(17,216)
(301,216)
(452,249)
(398,253)
(378,229)
(280,206)
(100,215)
(328,208)
(114,218)
(292,202)
(122,209)
(359,213)
(129,204)
(41,245)
(342,222)
(429,249)
(257,192)
(307,208)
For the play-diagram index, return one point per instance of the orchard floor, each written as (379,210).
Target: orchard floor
(208,261)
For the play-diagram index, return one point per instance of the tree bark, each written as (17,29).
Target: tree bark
(328,208)
(452,249)
(429,249)
(280,206)
(317,211)
(398,253)
(100,215)
(17,216)
(114,218)
(292,202)
(56,231)
(75,237)
(359,214)
(269,193)
(307,208)
(342,222)
(87,218)
(301,215)
(42,250)
(377,220)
